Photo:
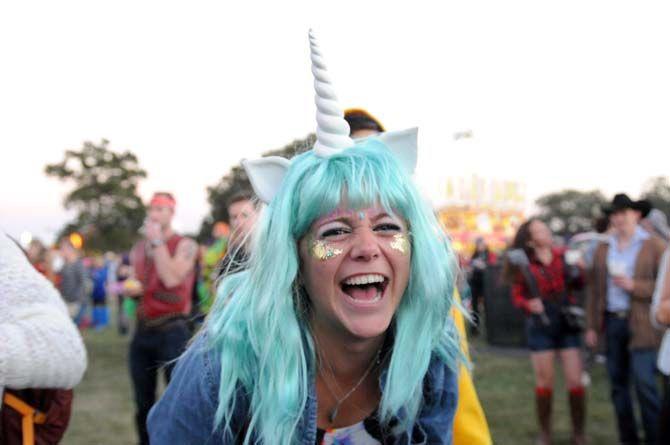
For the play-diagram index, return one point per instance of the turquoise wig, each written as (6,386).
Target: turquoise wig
(259,324)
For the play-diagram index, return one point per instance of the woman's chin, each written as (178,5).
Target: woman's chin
(367,327)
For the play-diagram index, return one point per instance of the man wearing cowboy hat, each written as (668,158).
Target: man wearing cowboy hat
(621,286)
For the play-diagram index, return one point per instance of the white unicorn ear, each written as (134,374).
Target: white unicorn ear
(403,145)
(266,175)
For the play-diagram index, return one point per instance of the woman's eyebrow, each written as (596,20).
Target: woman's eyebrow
(334,218)
(384,214)
(348,216)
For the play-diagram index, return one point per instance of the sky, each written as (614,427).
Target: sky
(571,94)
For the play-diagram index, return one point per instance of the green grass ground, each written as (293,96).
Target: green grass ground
(103,407)
(504,383)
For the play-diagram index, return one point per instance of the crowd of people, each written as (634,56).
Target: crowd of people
(326,310)
(622,271)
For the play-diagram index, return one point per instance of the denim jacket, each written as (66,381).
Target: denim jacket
(185,413)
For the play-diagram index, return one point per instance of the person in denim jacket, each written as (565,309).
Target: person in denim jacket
(338,331)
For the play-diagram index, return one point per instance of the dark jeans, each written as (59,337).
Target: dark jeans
(664,417)
(623,363)
(150,349)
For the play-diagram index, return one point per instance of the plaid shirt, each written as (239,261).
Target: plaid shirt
(550,281)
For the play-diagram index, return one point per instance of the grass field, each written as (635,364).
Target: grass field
(103,408)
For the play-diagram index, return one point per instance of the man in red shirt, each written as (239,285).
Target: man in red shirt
(164,263)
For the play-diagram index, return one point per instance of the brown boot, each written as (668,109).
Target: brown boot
(543,398)
(577,415)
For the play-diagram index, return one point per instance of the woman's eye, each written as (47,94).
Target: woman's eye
(388,227)
(334,232)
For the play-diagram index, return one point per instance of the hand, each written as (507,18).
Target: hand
(153,231)
(535,306)
(132,288)
(623,282)
(663,312)
(591,338)
(581,263)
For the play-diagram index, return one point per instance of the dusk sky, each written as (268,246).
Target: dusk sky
(572,94)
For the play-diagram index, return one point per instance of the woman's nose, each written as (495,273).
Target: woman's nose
(366,245)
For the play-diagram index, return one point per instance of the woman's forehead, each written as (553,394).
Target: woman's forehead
(343,212)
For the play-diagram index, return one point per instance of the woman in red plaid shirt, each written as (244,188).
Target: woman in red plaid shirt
(542,288)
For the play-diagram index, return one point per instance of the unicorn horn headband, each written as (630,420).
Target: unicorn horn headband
(332,135)
(332,131)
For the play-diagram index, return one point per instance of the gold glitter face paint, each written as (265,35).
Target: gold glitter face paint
(320,250)
(400,243)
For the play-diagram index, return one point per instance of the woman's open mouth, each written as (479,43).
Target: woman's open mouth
(366,289)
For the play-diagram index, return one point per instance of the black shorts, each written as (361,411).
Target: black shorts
(552,337)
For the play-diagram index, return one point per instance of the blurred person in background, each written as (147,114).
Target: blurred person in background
(211,256)
(37,255)
(40,349)
(242,214)
(601,229)
(362,124)
(656,223)
(113,286)
(163,263)
(99,277)
(470,425)
(547,332)
(112,262)
(75,283)
(42,259)
(479,261)
(55,263)
(642,207)
(660,318)
(462,283)
(125,305)
(622,282)
(652,220)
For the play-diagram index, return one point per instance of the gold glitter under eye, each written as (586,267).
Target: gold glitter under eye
(400,243)
(322,251)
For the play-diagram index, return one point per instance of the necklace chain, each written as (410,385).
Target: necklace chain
(338,401)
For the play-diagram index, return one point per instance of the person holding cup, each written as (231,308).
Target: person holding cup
(622,284)
(543,286)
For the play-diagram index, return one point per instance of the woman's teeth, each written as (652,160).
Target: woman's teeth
(368,288)
(364,279)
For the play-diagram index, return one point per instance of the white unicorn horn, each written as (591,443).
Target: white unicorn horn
(332,131)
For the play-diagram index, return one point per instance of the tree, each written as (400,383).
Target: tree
(109,210)
(236,181)
(571,211)
(657,191)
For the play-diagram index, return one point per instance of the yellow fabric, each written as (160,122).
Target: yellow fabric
(470,426)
